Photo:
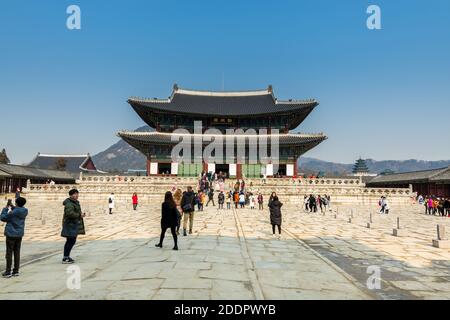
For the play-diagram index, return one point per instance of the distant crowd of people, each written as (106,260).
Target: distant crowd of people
(435,205)
(314,203)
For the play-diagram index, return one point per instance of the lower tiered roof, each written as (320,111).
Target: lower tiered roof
(291,139)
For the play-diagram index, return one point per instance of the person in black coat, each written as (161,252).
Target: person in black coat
(169,219)
(275,214)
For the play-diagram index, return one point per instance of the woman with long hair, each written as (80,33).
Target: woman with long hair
(275,214)
(169,219)
(177,197)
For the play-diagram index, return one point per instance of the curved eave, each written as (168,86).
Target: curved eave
(298,111)
(166,138)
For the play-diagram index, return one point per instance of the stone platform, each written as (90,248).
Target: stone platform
(232,255)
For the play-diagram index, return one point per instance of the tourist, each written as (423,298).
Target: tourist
(306,202)
(329,201)
(169,219)
(199,200)
(236,198)
(447,207)
(111,203)
(177,198)
(252,201)
(312,203)
(325,202)
(435,205)
(187,207)
(134,199)
(211,197)
(17,193)
(229,196)
(275,214)
(221,199)
(14,231)
(203,199)
(260,201)
(320,203)
(420,199)
(430,205)
(242,199)
(73,224)
(382,203)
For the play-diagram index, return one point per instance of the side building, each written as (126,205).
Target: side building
(174,120)
(434,182)
(73,164)
(15,176)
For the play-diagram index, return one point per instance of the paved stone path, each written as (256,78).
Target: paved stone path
(232,255)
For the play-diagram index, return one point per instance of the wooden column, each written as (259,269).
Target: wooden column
(295,169)
(239,171)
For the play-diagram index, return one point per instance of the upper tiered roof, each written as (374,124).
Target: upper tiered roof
(239,104)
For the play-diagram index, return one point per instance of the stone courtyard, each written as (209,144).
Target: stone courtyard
(232,255)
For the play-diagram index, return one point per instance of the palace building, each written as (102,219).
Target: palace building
(244,118)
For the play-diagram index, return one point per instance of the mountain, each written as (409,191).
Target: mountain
(121,157)
(311,165)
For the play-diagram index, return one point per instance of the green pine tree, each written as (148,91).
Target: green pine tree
(4,157)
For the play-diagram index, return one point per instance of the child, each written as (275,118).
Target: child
(14,230)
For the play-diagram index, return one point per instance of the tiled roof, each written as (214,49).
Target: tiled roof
(74,163)
(30,173)
(240,103)
(166,138)
(4,174)
(412,177)
(443,176)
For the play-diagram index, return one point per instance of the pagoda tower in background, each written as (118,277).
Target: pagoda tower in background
(360,168)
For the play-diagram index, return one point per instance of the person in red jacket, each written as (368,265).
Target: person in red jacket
(135,200)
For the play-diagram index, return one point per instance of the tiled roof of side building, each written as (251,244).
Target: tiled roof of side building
(409,177)
(443,176)
(166,138)
(30,172)
(4,175)
(239,103)
(73,163)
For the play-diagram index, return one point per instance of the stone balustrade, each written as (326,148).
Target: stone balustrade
(342,191)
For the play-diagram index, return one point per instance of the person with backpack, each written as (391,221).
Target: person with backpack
(242,199)
(14,231)
(187,207)
(169,220)
(73,224)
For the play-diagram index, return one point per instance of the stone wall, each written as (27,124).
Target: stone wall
(97,189)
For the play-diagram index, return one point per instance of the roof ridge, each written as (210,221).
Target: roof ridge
(63,155)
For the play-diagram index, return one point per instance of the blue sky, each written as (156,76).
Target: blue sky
(383,94)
